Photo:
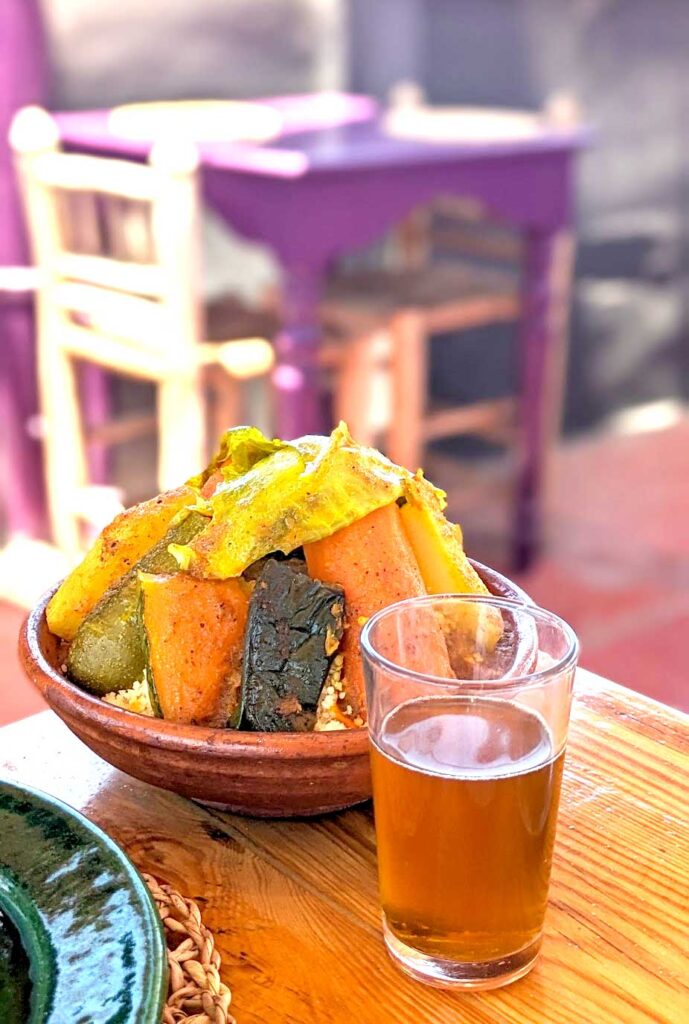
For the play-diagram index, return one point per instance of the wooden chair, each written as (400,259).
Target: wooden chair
(389,316)
(419,296)
(117,249)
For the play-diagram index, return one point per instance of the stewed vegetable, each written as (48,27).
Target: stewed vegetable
(294,631)
(238,600)
(194,630)
(108,650)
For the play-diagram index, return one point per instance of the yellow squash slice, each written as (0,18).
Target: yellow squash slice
(445,569)
(117,549)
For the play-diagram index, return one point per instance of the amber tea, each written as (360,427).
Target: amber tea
(466,793)
(467,761)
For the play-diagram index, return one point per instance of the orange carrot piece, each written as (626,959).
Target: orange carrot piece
(195,630)
(211,483)
(374,562)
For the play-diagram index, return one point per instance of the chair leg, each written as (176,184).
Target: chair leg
(355,395)
(181,429)
(65,456)
(224,403)
(409,385)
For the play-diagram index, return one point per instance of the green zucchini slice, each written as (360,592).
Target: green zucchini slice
(108,652)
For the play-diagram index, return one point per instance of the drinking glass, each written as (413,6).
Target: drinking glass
(468,709)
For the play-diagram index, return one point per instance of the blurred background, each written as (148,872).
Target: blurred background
(456,203)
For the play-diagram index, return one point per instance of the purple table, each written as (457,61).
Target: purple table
(314,194)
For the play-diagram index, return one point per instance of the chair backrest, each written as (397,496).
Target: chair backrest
(117,243)
(455,227)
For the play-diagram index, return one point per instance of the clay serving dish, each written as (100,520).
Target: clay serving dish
(263,774)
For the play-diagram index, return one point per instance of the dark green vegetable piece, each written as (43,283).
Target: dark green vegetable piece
(148,673)
(108,652)
(15,982)
(294,629)
(152,695)
(295,559)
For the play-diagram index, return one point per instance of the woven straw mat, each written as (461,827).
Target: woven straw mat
(196,995)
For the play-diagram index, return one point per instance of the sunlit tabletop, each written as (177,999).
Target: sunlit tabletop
(294,904)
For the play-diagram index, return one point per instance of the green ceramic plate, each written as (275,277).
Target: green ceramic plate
(95,949)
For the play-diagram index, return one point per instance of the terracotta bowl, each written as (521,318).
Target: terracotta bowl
(263,774)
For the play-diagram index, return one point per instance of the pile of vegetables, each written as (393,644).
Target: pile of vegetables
(237,600)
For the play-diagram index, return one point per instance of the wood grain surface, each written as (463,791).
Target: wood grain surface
(294,904)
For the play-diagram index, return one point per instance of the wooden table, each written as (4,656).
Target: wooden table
(294,905)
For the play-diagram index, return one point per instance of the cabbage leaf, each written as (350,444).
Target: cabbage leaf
(276,496)
(240,448)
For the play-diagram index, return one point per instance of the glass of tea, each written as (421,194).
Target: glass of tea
(468,705)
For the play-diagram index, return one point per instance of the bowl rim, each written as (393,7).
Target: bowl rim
(62,693)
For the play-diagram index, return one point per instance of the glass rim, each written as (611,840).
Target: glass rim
(522,681)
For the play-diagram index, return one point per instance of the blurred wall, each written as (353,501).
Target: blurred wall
(113,51)
(117,51)
(625,61)
(627,64)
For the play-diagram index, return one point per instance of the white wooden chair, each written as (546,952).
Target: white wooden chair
(117,249)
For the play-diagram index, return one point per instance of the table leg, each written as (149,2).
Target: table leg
(297,378)
(546,289)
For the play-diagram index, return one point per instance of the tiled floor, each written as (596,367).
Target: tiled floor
(617,565)
(18,698)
